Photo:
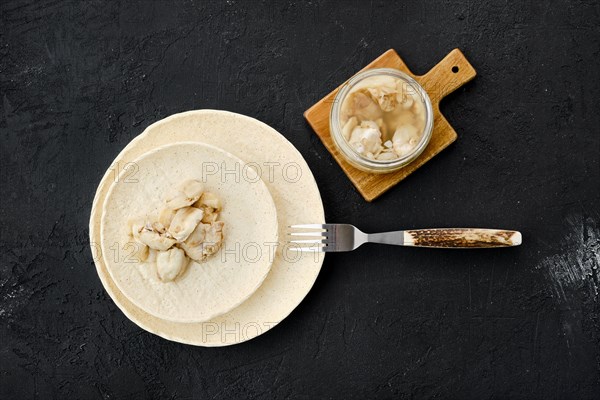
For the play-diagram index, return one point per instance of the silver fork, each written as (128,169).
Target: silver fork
(345,237)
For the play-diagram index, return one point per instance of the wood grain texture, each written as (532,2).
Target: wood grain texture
(447,76)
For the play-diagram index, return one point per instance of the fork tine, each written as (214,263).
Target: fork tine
(315,234)
(307,245)
(307,250)
(311,249)
(308,226)
(315,241)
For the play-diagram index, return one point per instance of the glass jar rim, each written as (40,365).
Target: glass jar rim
(349,151)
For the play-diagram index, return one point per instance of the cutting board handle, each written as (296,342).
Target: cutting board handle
(447,76)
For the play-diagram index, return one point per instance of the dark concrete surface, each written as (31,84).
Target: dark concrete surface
(79,80)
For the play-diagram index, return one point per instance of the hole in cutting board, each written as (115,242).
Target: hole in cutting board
(455,69)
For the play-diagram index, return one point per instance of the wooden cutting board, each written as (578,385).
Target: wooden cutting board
(447,76)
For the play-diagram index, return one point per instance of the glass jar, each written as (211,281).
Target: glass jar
(361,161)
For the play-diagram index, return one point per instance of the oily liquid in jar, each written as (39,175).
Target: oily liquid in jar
(383,118)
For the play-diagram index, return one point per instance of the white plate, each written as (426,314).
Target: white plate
(222,282)
(296,198)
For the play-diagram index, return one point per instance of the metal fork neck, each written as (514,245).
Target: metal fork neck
(396,237)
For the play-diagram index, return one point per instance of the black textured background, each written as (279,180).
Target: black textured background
(79,80)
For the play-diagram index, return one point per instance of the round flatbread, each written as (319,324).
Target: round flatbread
(224,280)
(297,200)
